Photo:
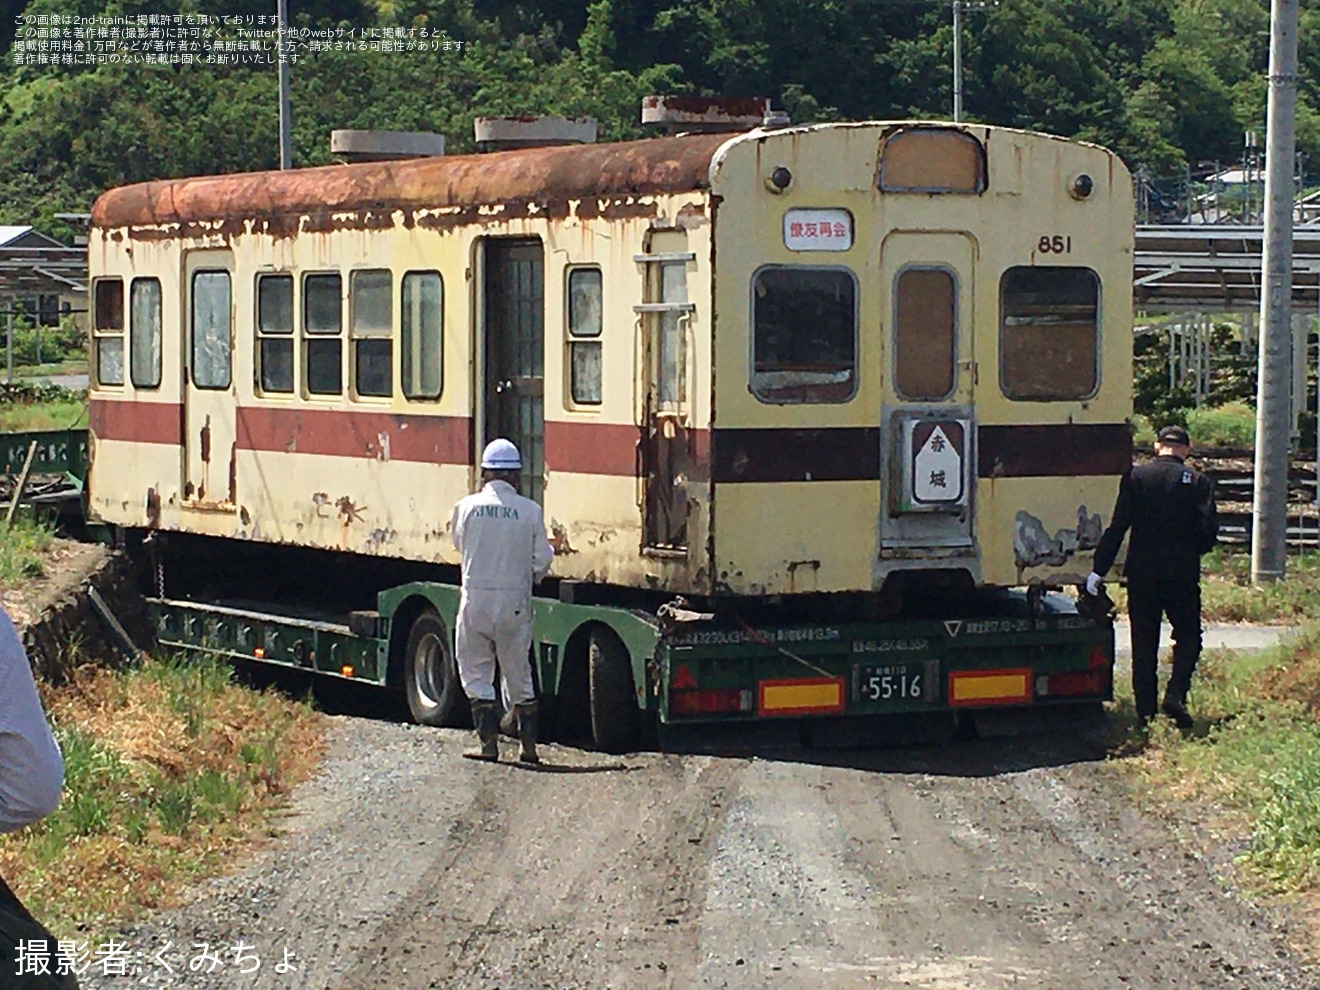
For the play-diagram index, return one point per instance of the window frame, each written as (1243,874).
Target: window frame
(354,337)
(159,335)
(100,332)
(308,336)
(957,314)
(259,360)
(856,334)
(440,336)
(1098,336)
(573,340)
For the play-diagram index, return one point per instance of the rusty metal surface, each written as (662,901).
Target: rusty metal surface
(367,195)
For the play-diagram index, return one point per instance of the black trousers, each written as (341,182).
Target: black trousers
(17,925)
(1147,601)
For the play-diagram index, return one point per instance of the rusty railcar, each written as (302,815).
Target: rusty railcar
(787,364)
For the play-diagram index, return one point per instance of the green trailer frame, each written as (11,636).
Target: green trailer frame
(696,669)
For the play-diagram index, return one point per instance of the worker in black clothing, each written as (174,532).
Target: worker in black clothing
(1170,509)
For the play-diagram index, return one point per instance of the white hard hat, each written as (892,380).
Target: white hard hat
(501,455)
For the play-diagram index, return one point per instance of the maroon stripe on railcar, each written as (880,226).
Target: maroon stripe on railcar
(136,422)
(1052,450)
(341,433)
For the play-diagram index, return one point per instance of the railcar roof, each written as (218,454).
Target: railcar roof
(548,177)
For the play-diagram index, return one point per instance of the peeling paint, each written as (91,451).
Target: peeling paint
(1033,546)
(559,539)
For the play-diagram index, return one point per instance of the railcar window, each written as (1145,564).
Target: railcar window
(804,334)
(144,333)
(322,327)
(924,329)
(371,301)
(108,323)
(423,295)
(211,345)
(585,319)
(1049,332)
(275,332)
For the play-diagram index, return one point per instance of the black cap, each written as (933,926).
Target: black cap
(1175,435)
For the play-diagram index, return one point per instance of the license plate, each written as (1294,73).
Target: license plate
(890,682)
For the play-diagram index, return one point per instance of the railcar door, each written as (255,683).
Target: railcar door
(514,351)
(666,317)
(210,469)
(928,432)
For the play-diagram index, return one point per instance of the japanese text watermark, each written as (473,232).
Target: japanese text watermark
(203,39)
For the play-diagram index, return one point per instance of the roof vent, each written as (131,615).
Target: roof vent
(504,133)
(775,119)
(705,113)
(385,146)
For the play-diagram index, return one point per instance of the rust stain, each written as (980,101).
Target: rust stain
(320,503)
(206,441)
(233,473)
(367,195)
(559,539)
(730,106)
(153,509)
(348,512)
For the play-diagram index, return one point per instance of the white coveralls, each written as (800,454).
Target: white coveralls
(501,536)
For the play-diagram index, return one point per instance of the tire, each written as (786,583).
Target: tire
(615,718)
(435,696)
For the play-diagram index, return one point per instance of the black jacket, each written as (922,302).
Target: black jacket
(1170,509)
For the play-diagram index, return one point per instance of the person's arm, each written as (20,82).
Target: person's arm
(543,554)
(31,770)
(1207,516)
(1119,524)
(455,529)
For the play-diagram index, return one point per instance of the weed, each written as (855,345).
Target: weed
(1230,425)
(1256,753)
(168,769)
(24,544)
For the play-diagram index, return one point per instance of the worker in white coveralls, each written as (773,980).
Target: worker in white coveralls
(501,537)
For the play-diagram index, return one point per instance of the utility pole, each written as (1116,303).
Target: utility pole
(957,61)
(1269,522)
(958,7)
(286,113)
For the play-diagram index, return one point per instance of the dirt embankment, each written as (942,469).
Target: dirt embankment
(56,616)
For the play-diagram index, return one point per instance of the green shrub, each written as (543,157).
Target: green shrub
(1230,425)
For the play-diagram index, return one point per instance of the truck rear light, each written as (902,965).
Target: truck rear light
(1094,680)
(713,701)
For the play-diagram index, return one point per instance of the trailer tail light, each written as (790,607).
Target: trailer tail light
(259,652)
(714,701)
(1094,680)
(346,670)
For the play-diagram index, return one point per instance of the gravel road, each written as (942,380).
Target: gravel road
(1002,863)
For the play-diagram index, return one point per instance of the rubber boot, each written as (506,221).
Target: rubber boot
(486,719)
(528,720)
(1175,704)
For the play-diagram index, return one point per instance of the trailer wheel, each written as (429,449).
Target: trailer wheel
(431,675)
(615,719)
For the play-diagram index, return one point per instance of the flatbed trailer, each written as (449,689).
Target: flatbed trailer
(611,669)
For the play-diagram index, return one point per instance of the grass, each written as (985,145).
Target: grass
(22,547)
(58,414)
(1227,594)
(169,769)
(1255,755)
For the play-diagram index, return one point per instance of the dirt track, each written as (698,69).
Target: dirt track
(978,865)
